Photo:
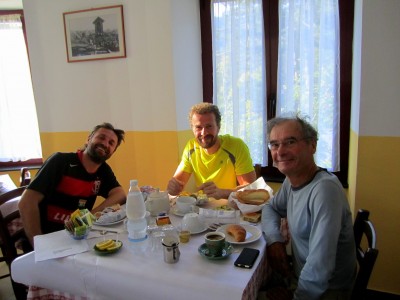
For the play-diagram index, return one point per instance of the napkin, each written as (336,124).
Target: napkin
(219,216)
(57,244)
(248,208)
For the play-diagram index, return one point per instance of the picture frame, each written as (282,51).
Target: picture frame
(94,34)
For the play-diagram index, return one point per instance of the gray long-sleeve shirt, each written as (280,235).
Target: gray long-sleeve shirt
(321,230)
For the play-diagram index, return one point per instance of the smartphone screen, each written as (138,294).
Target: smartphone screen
(247,258)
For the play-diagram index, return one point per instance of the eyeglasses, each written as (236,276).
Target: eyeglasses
(287,143)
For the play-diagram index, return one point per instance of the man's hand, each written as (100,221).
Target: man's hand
(278,259)
(175,186)
(211,190)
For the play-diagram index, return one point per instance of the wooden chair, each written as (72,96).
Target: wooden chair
(25,178)
(12,238)
(257,169)
(366,256)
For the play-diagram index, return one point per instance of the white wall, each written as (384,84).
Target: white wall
(150,90)
(380,68)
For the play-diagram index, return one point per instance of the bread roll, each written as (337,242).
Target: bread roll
(254,197)
(237,232)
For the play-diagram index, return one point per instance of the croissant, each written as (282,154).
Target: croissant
(237,232)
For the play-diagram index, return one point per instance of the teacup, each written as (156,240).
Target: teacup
(192,222)
(215,242)
(185,203)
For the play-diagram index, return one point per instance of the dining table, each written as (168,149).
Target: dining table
(138,269)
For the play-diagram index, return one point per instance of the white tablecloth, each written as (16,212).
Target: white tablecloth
(135,274)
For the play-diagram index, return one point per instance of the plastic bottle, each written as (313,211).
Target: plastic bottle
(135,207)
(136,213)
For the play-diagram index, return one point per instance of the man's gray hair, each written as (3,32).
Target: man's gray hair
(307,129)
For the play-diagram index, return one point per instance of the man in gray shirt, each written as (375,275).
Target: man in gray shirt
(318,215)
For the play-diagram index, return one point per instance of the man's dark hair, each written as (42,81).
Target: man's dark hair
(119,132)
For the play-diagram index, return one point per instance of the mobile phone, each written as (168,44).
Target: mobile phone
(247,258)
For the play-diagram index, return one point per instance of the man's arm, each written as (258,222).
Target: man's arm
(177,183)
(115,196)
(246,179)
(212,190)
(30,215)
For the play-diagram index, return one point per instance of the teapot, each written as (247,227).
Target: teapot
(157,202)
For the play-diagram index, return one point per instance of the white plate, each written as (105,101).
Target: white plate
(200,231)
(252,234)
(176,212)
(109,223)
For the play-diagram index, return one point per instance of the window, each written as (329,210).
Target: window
(19,132)
(247,43)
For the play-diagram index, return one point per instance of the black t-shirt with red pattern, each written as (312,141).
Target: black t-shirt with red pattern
(66,185)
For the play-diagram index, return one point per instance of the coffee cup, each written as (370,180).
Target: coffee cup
(192,222)
(215,242)
(185,203)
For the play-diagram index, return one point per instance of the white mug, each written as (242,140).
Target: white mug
(185,203)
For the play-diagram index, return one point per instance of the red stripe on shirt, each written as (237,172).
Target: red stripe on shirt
(77,187)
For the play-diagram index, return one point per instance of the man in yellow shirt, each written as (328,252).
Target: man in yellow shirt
(220,164)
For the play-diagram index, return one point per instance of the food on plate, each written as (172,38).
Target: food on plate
(253,217)
(110,214)
(199,194)
(108,245)
(223,207)
(201,198)
(163,220)
(237,232)
(254,197)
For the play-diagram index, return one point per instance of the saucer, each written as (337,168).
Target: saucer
(228,250)
(199,231)
(176,212)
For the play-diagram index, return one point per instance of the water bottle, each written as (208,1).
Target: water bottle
(136,213)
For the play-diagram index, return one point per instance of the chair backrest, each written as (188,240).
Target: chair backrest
(12,235)
(8,237)
(25,178)
(257,169)
(366,256)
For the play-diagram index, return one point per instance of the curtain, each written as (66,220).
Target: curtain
(19,131)
(308,70)
(239,72)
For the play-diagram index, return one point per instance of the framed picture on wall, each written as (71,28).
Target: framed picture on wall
(96,33)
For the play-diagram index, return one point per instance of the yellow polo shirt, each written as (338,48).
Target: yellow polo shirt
(232,158)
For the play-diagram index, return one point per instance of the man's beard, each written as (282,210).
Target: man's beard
(95,156)
(209,141)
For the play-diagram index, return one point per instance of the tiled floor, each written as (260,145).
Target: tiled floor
(6,291)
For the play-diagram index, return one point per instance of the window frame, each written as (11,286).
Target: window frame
(271,27)
(33,163)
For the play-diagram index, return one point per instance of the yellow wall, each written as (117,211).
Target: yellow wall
(378,190)
(373,185)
